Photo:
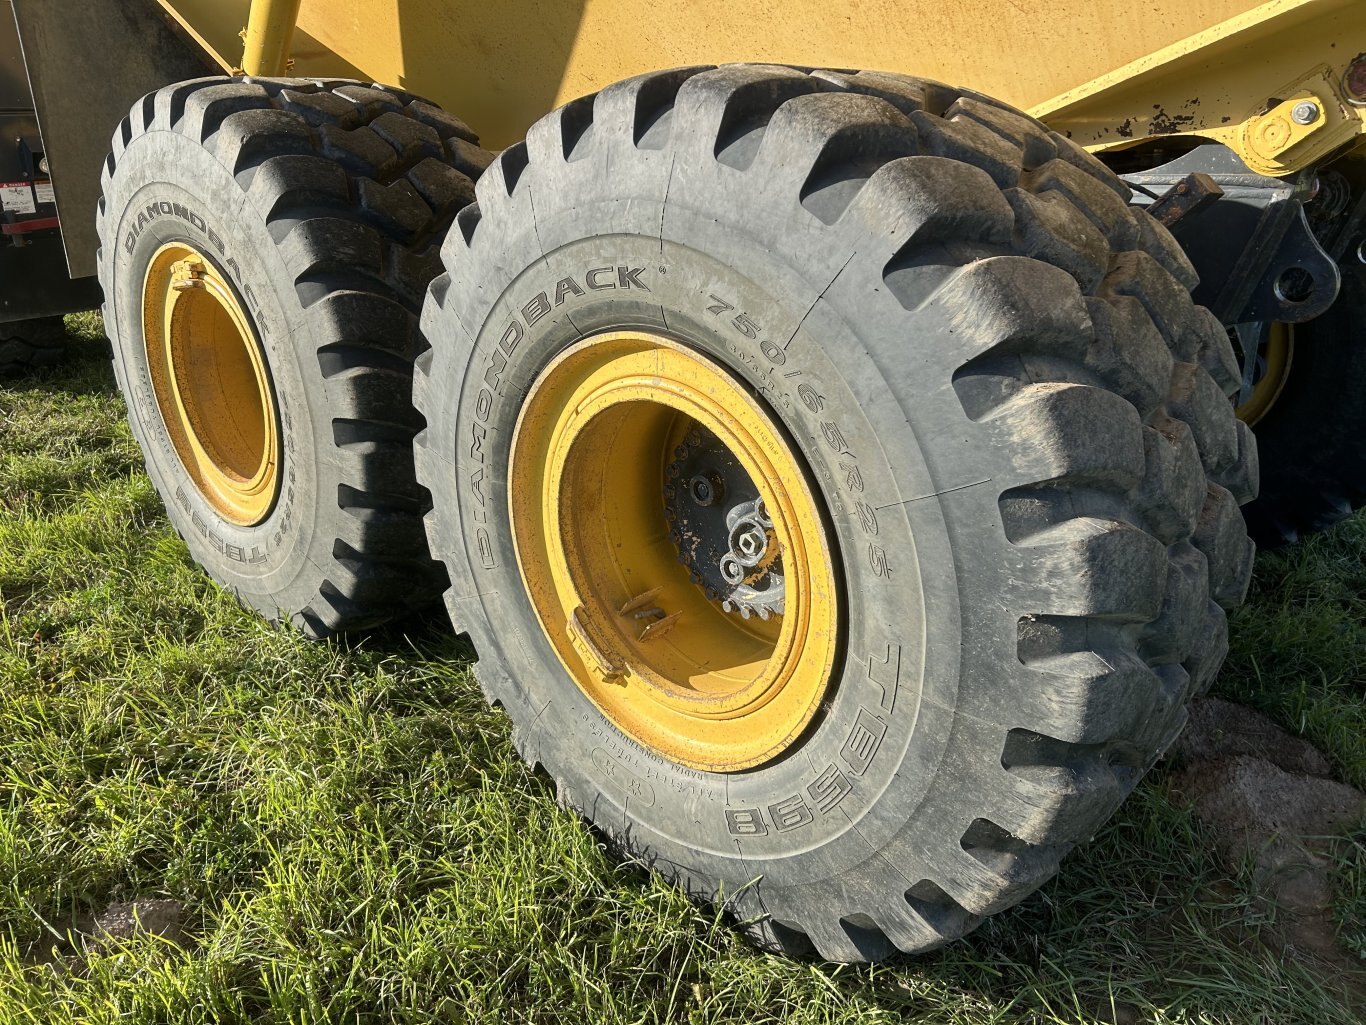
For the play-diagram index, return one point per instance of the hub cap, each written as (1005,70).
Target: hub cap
(673,551)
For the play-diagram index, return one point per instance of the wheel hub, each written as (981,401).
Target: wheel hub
(723,533)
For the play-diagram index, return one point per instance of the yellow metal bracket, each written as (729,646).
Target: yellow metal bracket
(1297,131)
(1272,83)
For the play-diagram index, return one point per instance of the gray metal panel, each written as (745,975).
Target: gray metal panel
(17,120)
(88,62)
(14,94)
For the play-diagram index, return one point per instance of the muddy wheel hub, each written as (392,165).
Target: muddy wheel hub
(723,533)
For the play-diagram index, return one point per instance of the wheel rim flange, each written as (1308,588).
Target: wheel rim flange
(591,442)
(211,383)
(1276,357)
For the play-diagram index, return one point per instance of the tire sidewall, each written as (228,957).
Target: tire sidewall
(262,564)
(862,769)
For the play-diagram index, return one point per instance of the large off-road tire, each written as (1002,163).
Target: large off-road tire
(991,381)
(1310,440)
(293,227)
(28,344)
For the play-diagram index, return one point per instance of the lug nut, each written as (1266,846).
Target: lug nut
(1305,113)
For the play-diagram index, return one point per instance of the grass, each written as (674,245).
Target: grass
(355,840)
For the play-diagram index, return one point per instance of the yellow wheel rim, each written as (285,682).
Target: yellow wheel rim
(672,668)
(1280,350)
(211,383)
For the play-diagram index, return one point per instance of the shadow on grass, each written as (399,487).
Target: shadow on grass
(85,368)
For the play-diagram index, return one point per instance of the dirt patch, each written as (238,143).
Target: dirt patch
(1251,801)
(1219,728)
(1266,796)
(121,921)
(63,949)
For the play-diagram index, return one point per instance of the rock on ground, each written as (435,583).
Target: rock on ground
(1250,800)
(1265,796)
(1218,728)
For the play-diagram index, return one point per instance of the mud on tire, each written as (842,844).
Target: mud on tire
(1016,419)
(324,204)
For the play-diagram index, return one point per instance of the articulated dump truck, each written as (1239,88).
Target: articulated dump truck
(832,423)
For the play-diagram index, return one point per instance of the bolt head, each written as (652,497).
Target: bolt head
(704,489)
(1304,113)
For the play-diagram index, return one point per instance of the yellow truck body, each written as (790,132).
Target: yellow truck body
(1109,73)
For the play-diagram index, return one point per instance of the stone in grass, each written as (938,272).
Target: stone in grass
(1249,801)
(146,916)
